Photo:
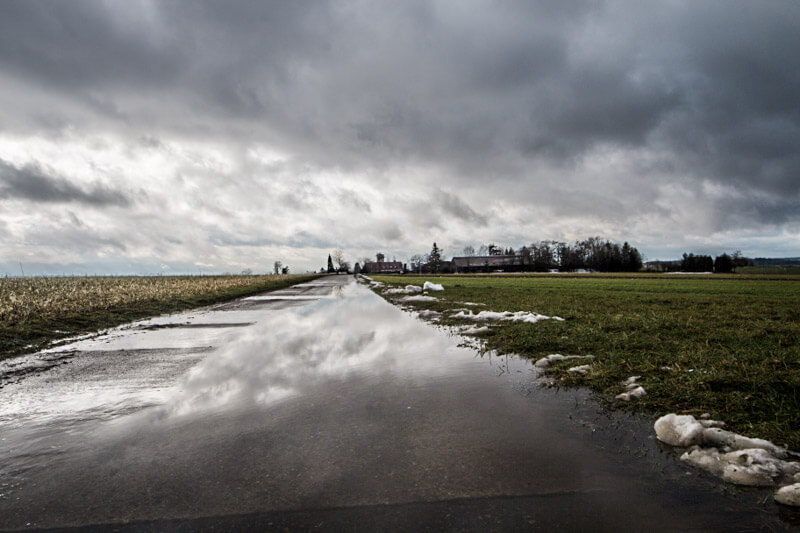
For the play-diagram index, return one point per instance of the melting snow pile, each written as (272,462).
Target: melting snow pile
(408,289)
(428,286)
(544,362)
(789,495)
(474,330)
(580,369)
(519,316)
(419,298)
(733,457)
(632,389)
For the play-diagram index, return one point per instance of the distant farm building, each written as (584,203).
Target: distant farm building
(382,267)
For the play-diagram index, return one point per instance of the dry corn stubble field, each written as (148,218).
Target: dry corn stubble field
(37,311)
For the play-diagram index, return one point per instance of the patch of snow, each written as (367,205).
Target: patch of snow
(544,362)
(745,461)
(721,438)
(519,316)
(708,423)
(472,304)
(428,286)
(429,314)
(419,298)
(474,330)
(789,495)
(408,289)
(679,430)
(687,273)
(632,389)
(395,291)
(754,467)
(581,369)
(634,393)
(631,381)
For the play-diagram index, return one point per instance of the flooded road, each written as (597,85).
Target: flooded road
(323,406)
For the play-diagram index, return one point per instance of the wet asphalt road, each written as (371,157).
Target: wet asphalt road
(323,407)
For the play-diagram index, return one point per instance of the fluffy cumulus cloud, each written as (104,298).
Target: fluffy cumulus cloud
(217,136)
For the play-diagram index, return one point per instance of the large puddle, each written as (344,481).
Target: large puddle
(324,404)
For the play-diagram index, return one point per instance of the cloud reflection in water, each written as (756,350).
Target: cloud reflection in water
(300,348)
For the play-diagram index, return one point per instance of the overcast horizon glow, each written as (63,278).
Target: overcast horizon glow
(196,136)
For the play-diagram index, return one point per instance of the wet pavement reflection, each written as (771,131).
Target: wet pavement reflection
(324,404)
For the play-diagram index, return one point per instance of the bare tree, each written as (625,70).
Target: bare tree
(341,264)
(276,267)
(468,250)
(417,260)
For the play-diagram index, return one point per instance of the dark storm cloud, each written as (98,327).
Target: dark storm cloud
(30,182)
(455,206)
(515,101)
(461,85)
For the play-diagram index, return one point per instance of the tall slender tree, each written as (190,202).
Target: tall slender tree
(330,265)
(435,258)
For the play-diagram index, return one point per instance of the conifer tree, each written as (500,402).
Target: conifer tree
(435,258)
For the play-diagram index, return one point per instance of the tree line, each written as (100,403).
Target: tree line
(590,254)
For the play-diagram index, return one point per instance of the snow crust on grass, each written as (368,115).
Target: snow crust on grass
(632,389)
(519,316)
(408,289)
(428,286)
(474,330)
(472,304)
(395,291)
(544,362)
(419,298)
(636,392)
(581,369)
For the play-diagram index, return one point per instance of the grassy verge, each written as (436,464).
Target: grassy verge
(35,312)
(730,347)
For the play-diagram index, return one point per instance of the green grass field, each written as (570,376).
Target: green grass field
(729,345)
(34,312)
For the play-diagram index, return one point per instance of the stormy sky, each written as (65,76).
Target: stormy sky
(196,136)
